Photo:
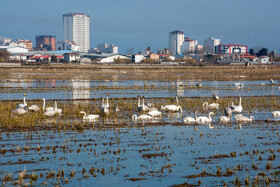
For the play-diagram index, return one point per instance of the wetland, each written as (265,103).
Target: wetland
(115,150)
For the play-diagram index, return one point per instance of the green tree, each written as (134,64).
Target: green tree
(262,52)
(251,51)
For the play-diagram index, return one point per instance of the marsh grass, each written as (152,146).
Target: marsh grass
(71,117)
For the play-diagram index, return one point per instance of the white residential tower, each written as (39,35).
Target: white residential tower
(176,39)
(76,28)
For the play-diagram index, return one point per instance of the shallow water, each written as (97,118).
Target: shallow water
(185,148)
(126,153)
(89,89)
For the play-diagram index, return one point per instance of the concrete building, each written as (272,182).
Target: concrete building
(230,49)
(46,42)
(72,57)
(17,53)
(154,56)
(106,48)
(188,46)
(137,58)
(210,44)
(105,57)
(176,39)
(67,45)
(76,28)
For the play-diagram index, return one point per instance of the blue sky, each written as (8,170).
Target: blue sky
(142,23)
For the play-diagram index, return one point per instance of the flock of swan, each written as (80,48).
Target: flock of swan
(149,112)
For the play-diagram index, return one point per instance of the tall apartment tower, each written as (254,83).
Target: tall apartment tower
(46,42)
(210,44)
(176,39)
(76,28)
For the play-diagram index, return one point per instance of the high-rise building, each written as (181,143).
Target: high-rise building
(76,28)
(176,39)
(46,42)
(210,44)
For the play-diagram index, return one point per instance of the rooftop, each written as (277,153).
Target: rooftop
(177,32)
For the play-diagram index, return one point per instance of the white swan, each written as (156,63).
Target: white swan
(212,105)
(143,107)
(20,111)
(244,119)
(276,113)
(34,108)
(57,110)
(154,113)
(107,101)
(190,120)
(44,106)
(224,119)
(24,104)
(204,119)
(90,117)
(237,108)
(271,81)
(105,106)
(172,108)
(142,117)
(52,112)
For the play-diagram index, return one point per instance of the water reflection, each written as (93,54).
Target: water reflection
(81,89)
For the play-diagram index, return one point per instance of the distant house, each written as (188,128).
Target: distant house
(17,53)
(71,57)
(137,58)
(263,60)
(154,56)
(105,57)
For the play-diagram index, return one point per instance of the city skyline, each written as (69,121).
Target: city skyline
(139,24)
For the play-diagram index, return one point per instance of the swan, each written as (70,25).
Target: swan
(237,108)
(172,108)
(212,105)
(44,106)
(244,119)
(20,111)
(143,107)
(204,119)
(34,108)
(90,117)
(271,81)
(154,113)
(141,117)
(107,101)
(224,119)
(228,110)
(198,84)
(24,104)
(52,112)
(276,113)
(57,110)
(190,120)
